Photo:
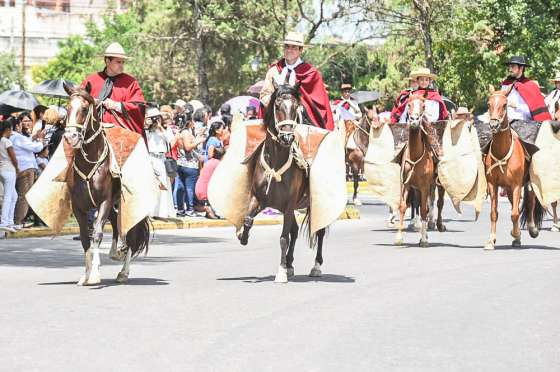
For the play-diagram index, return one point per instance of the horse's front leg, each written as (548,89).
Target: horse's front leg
(441,195)
(402,211)
(432,198)
(81,217)
(424,212)
(254,209)
(534,215)
(290,256)
(356,179)
(555,225)
(493,191)
(516,231)
(94,276)
(282,275)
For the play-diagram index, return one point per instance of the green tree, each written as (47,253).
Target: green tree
(10,74)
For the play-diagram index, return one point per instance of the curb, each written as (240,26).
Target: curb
(350,213)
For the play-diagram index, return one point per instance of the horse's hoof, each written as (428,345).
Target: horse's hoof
(423,243)
(399,240)
(93,279)
(431,226)
(281,277)
(489,246)
(122,278)
(516,243)
(442,228)
(357,202)
(315,273)
(244,239)
(533,232)
(82,280)
(290,272)
(555,228)
(390,224)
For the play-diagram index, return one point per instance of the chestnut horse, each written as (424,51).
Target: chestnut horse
(279,182)
(418,170)
(507,166)
(93,186)
(355,157)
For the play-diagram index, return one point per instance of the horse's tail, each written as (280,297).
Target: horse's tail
(312,239)
(538,214)
(138,238)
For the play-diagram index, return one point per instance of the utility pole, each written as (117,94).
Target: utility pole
(23,30)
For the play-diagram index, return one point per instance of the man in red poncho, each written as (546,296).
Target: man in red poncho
(403,96)
(435,109)
(314,97)
(123,101)
(525,101)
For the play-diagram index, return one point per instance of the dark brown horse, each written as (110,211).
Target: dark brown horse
(279,182)
(418,170)
(355,157)
(507,166)
(92,186)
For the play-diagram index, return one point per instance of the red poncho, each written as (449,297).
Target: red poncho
(314,97)
(125,90)
(433,95)
(346,105)
(531,94)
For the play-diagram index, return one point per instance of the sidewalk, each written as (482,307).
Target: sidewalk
(351,213)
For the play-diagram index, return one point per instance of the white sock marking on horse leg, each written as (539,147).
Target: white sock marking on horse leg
(282,275)
(122,277)
(94,276)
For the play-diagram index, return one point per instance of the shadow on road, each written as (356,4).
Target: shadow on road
(112,283)
(326,278)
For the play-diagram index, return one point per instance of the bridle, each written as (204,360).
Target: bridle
(279,124)
(88,122)
(497,123)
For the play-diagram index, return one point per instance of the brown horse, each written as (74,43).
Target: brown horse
(507,166)
(92,186)
(355,157)
(418,170)
(279,182)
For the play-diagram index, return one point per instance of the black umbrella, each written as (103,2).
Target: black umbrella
(449,104)
(19,99)
(6,110)
(363,96)
(53,88)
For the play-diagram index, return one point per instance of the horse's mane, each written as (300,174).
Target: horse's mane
(282,89)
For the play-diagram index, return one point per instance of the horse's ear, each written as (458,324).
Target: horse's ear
(491,89)
(88,87)
(68,89)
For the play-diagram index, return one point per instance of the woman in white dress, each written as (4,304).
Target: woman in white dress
(159,142)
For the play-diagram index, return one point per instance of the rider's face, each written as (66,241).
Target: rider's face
(515,71)
(292,53)
(424,82)
(557,84)
(414,84)
(115,66)
(346,93)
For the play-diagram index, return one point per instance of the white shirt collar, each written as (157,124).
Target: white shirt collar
(293,66)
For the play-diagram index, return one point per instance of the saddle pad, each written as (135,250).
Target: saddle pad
(545,178)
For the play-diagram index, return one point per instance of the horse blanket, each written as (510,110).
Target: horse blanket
(460,169)
(229,190)
(383,175)
(50,195)
(545,178)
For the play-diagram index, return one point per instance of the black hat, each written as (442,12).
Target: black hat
(518,60)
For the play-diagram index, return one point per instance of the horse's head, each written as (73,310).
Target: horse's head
(371,119)
(416,107)
(497,108)
(282,114)
(80,113)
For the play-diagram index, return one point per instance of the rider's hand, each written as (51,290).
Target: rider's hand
(111,105)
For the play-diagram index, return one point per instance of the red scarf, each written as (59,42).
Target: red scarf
(314,97)
(126,91)
(402,101)
(346,105)
(531,94)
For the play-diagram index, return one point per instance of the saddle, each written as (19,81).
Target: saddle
(435,134)
(526,132)
(121,143)
(308,137)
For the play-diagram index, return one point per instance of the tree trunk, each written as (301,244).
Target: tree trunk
(202,76)
(423,9)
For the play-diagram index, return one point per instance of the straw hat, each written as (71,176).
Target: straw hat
(344,86)
(422,72)
(556,79)
(294,38)
(461,111)
(115,50)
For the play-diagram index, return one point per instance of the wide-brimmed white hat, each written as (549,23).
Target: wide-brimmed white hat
(423,72)
(556,79)
(294,38)
(180,103)
(115,50)
(152,112)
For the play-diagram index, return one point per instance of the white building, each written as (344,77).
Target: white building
(43,23)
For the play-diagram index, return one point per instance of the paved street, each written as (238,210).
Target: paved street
(201,302)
